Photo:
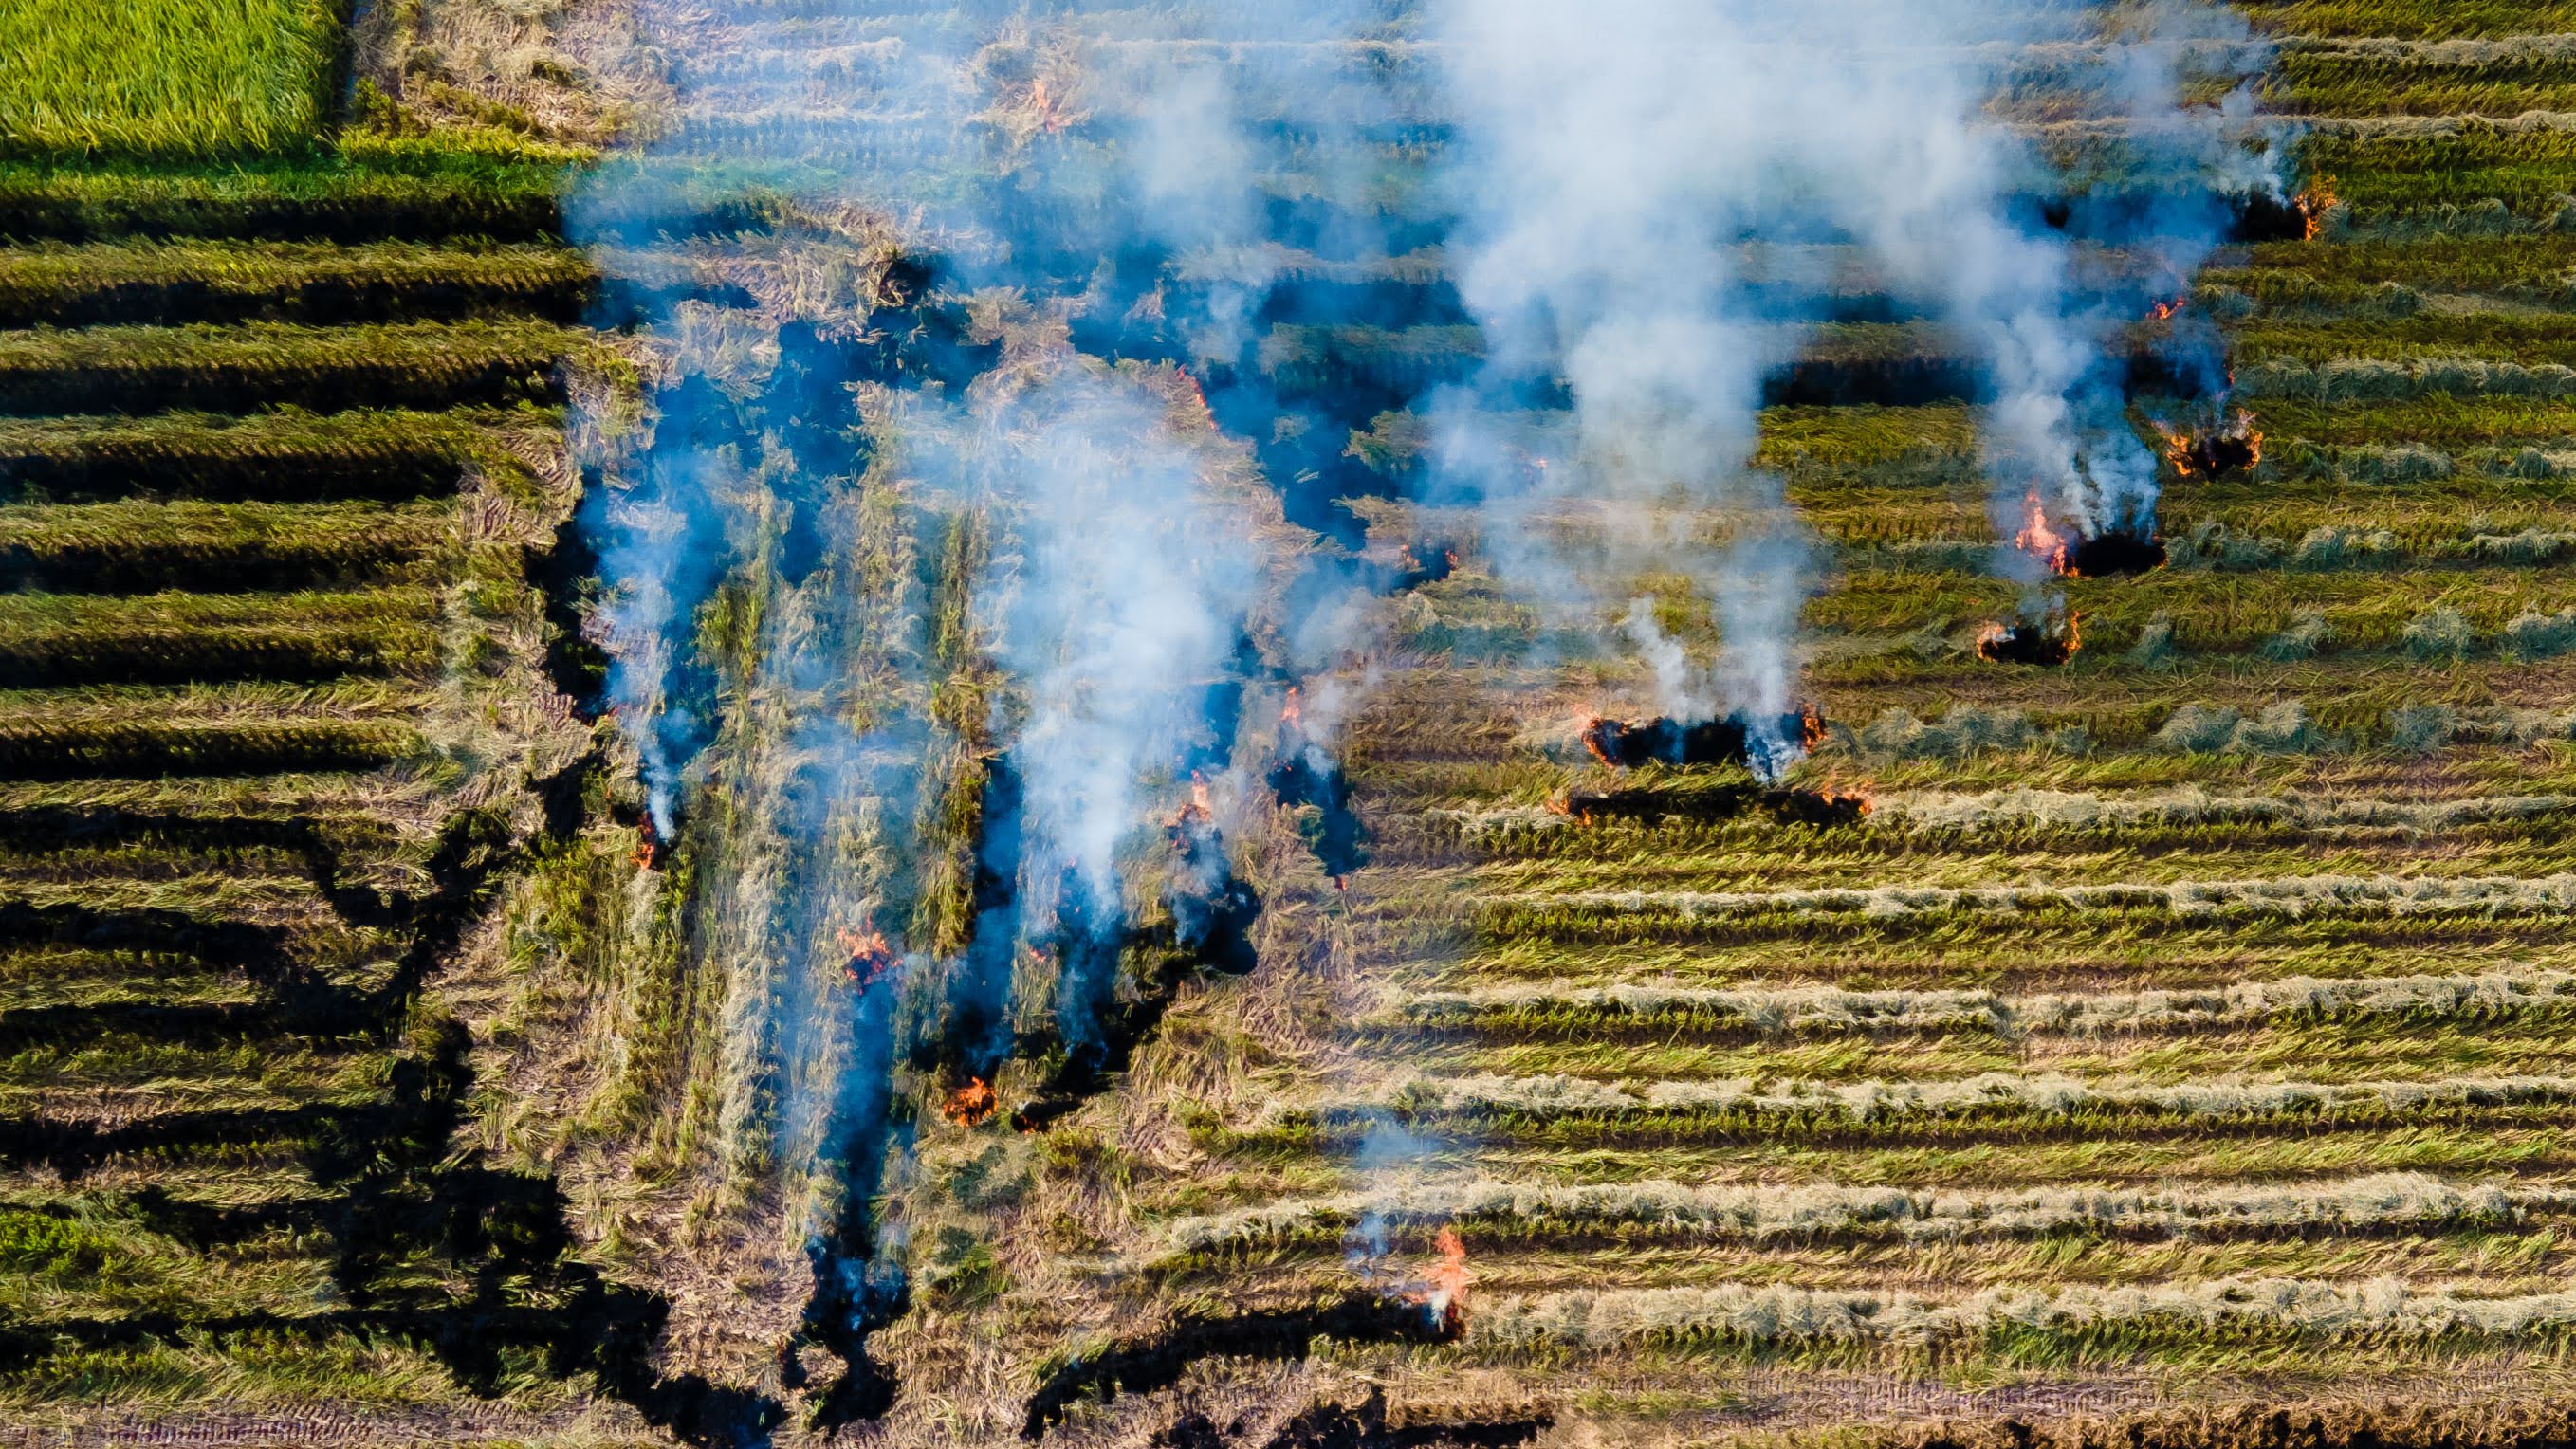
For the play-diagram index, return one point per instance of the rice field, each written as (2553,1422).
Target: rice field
(283,469)
(156,78)
(2179,1040)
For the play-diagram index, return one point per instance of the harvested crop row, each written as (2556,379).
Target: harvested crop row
(358,195)
(145,748)
(179,652)
(223,548)
(171,284)
(288,455)
(149,369)
(1631,912)
(1570,1109)
(2020,815)
(1827,1011)
(1737,1319)
(1522,1213)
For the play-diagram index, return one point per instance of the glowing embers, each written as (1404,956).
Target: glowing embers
(2048,641)
(1706,804)
(1212,909)
(1304,776)
(1764,746)
(2215,449)
(971,1105)
(1425,561)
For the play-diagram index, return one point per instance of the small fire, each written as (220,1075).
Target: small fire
(648,845)
(871,959)
(1050,118)
(1292,714)
(1444,1289)
(971,1105)
(1198,394)
(2314,203)
(2041,541)
(2164,311)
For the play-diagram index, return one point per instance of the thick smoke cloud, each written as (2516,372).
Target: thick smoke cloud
(1124,591)
(1634,182)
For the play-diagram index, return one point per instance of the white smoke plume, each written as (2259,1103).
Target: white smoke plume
(1614,169)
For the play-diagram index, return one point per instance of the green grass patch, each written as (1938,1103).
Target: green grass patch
(165,77)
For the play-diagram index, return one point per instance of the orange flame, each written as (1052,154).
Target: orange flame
(871,959)
(2178,450)
(1293,712)
(971,1105)
(1595,741)
(2041,541)
(2314,203)
(1445,1287)
(2164,311)
(1811,727)
(1050,118)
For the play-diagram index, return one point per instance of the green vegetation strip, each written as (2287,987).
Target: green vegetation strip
(165,77)
(147,547)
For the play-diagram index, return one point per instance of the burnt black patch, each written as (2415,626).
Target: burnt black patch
(2116,553)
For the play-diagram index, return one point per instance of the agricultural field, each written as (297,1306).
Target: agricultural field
(524,779)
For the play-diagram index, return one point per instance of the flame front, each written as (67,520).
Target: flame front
(1445,1286)
(2041,541)
(1292,714)
(970,1105)
(2314,203)
(870,958)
